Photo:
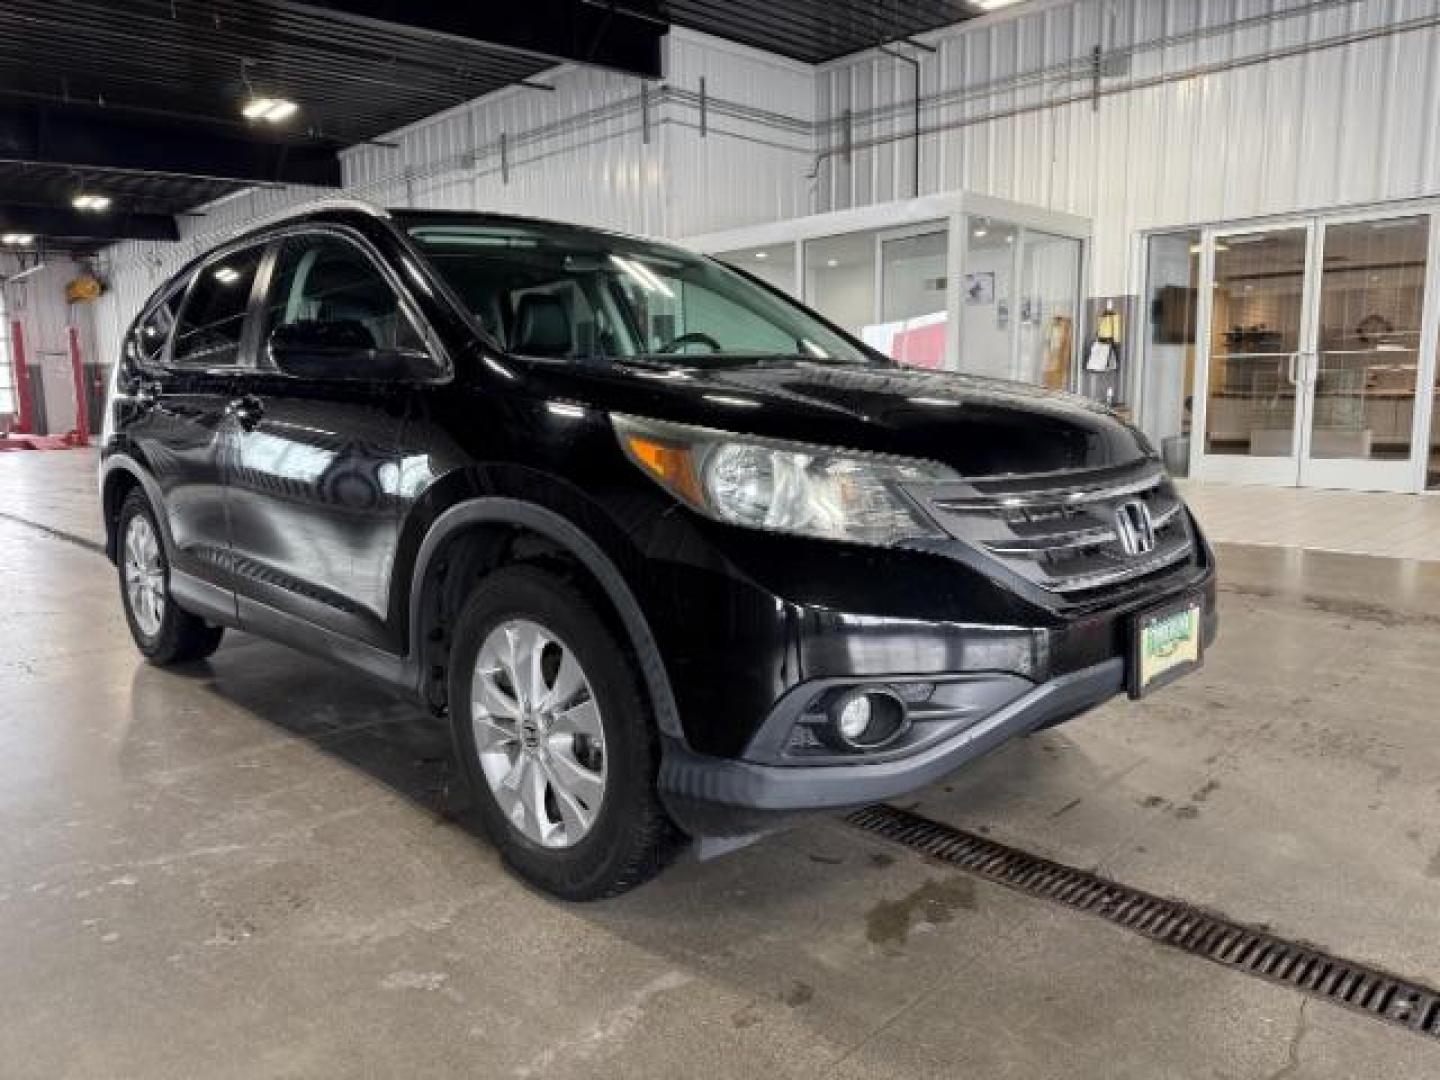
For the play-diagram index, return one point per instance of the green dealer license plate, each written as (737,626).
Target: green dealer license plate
(1166,645)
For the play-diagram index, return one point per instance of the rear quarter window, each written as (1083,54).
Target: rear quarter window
(152,330)
(212,321)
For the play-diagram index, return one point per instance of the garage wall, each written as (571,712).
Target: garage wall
(615,151)
(1208,109)
(38,301)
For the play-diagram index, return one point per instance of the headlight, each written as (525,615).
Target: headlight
(786,487)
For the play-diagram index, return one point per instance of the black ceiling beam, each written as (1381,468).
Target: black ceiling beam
(49,221)
(622,36)
(84,137)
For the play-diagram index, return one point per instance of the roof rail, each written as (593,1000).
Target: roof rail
(311,206)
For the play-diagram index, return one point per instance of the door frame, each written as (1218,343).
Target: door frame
(1279,470)
(1365,475)
(1408,476)
(1299,468)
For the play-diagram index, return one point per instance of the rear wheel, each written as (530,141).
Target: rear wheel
(556,738)
(162,631)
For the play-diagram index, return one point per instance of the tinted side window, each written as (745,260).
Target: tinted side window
(325,279)
(148,339)
(214,315)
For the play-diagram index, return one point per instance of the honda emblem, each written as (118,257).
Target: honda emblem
(1134,528)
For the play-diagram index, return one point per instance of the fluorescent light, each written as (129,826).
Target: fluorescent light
(995,5)
(980,231)
(18,238)
(271,110)
(96,203)
(762,254)
(832,263)
(227,275)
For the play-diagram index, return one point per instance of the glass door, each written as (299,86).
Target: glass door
(1361,372)
(1254,316)
(1317,353)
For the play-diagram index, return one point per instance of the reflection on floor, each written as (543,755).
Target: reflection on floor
(1349,522)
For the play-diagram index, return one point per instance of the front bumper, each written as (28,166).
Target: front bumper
(719,797)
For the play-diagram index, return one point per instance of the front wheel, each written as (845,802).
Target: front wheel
(164,632)
(556,738)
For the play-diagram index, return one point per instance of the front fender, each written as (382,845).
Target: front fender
(573,527)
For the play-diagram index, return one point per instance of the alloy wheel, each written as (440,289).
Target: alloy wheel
(144,575)
(538,733)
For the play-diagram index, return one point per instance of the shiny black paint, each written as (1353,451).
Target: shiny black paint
(312,502)
(739,617)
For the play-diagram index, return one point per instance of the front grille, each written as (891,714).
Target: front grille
(1077,535)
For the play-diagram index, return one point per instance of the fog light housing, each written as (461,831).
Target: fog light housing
(865,719)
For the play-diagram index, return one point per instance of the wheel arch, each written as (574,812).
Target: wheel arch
(496,520)
(119,475)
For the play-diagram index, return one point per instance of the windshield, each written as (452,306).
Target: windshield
(565,292)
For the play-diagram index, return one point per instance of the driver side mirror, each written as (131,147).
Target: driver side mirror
(342,349)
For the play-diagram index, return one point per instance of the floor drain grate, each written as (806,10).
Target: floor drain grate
(1396,1000)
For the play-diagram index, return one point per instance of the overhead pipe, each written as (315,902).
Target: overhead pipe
(1092,94)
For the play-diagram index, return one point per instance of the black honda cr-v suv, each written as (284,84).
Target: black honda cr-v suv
(676,556)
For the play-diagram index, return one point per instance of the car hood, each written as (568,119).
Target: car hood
(977,426)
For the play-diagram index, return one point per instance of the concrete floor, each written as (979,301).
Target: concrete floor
(259,868)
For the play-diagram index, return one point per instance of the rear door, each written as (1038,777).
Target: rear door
(313,496)
(190,354)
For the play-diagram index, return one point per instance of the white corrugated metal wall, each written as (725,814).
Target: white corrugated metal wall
(1207,110)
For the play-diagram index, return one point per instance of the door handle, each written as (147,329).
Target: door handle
(247,411)
(1290,368)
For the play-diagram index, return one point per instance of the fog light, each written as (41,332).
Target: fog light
(865,719)
(853,718)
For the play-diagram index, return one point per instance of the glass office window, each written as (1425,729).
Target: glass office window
(987,289)
(913,313)
(840,279)
(1046,307)
(774,265)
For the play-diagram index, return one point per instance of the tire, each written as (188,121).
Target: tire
(163,632)
(543,761)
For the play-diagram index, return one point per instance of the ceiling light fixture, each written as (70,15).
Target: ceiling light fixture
(762,254)
(95,203)
(19,239)
(832,263)
(270,109)
(227,275)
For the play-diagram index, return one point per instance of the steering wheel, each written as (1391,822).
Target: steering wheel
(694,337)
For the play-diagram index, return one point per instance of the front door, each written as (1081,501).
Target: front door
(189,364)
(1316,353)
(313,494)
